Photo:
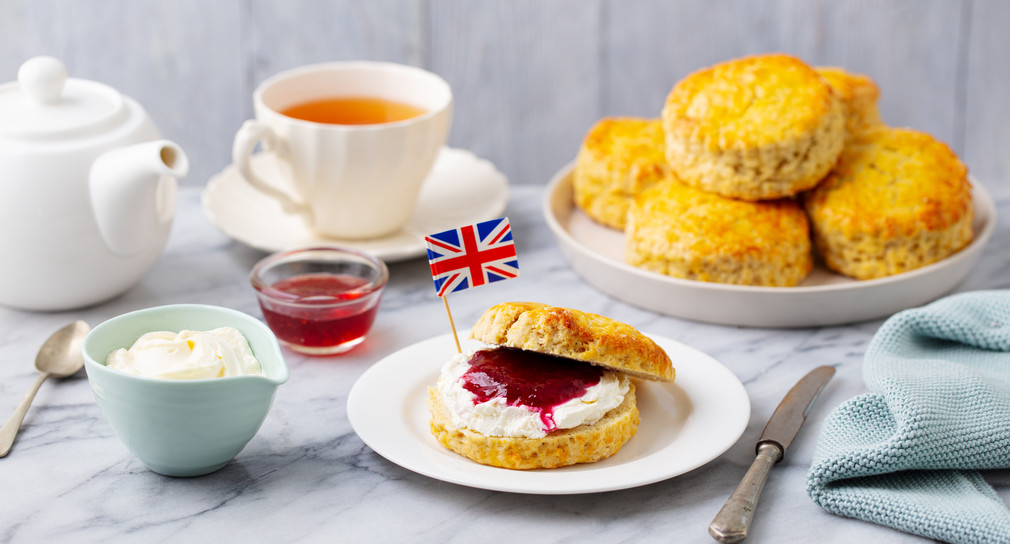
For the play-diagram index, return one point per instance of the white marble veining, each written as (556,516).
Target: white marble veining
(307,477)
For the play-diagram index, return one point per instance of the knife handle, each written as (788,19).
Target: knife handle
(732,522)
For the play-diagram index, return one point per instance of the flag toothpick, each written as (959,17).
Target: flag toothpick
(445,300)
(471,256)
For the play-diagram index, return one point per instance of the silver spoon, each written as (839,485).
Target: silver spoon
(59,356)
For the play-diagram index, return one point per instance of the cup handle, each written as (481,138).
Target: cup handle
(251,133)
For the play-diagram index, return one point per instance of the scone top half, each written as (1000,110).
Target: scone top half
(574,334)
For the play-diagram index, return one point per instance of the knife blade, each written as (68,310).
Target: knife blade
(733,521)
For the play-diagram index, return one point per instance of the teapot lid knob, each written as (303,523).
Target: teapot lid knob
(42,79)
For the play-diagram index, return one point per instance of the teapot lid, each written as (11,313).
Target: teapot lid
(44,103)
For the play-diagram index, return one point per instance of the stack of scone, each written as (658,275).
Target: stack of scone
(753,154)
(552,390)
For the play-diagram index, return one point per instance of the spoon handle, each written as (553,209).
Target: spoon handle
(10,429)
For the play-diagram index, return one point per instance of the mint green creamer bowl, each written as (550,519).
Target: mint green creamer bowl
(183,427)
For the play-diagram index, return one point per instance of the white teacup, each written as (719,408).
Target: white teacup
(350,181)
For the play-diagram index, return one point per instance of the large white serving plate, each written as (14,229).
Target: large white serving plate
(684,425)
(824,298)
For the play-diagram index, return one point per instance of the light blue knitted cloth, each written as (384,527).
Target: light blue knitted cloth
(939,406)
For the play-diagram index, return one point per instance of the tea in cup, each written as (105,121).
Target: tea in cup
(355,141)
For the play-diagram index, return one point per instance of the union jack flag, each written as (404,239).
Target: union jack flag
(472,255)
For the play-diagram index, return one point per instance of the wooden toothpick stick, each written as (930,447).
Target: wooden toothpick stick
(445,300)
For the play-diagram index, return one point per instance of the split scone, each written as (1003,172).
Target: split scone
(859,95)
(688,233)
(897,200)
(552,391)
(618,158)
(755,128)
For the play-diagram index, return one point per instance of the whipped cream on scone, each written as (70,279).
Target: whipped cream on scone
(497,416)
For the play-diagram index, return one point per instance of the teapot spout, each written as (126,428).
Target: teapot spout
(133,193)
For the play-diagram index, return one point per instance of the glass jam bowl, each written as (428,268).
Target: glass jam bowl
(319,300)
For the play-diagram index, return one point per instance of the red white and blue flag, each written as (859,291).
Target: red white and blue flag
(472,255)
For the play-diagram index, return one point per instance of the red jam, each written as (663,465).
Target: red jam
(525,378)
(327,310)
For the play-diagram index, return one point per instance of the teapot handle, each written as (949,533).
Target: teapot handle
(251,133)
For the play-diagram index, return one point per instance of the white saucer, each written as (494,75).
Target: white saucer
(462,188)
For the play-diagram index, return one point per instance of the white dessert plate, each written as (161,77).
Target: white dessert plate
(823,298)
(461,188)
(684,424)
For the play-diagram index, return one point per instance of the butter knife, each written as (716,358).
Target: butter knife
(732,522)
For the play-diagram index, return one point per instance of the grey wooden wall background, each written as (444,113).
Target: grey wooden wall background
(529,76)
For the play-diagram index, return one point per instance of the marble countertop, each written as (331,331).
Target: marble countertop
(307,477)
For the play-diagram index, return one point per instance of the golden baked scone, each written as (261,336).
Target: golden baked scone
(618,158)
(897,200)
(685,232)
(859,95)
(582,444)
(754,128)
(576,335)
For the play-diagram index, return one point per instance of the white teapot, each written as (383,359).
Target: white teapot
(87,190)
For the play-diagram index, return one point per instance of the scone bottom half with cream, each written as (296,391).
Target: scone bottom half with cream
(551,389)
